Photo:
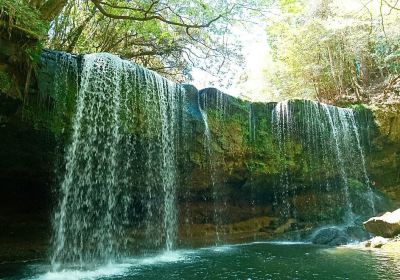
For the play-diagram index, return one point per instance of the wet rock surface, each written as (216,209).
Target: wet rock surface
(330,236)
(247,164)
(387,225)
(26,190)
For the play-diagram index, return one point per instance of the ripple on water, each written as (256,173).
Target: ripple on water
(101,272)
(256,261)
(116,269)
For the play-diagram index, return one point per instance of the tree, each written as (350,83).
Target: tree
(325,53)
(168,36)
(23,24)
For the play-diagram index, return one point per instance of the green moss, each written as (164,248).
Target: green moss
(5,81)
(33,52)
(53,108)
(355,184)
(358,106)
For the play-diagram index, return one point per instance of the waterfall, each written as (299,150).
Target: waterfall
(331,147)
(336,133)
(218,201)
(126,154)
(282,123)
(112,176)
(370,194)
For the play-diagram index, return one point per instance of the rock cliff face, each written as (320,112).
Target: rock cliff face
(244,173)
(27,157)
(384,156)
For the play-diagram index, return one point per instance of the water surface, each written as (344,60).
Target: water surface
(258,260)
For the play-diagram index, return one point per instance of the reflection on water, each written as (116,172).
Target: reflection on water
(388,262)
(247,261)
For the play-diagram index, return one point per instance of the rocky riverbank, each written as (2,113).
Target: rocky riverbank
(386,229)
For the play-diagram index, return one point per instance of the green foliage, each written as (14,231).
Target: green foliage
(292,6)
(324,57)
(358,107)
(265,158)
(166,36)
(355,184)
(33,52)
(5,81)
(20,15)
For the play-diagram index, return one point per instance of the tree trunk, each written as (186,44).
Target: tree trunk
(51,9)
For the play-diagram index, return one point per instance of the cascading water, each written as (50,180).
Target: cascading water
(119,185)
(219,104)
(281,123)
(90,180)
(330,139)
(252,138)
(146,159)
(363,163)
(335,125)
(207,148)
(160,125)
(107,164)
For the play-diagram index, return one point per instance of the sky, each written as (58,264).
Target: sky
(255,52)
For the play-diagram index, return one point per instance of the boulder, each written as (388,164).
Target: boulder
(387,225)
(378,242)
(285,227)
(330,236)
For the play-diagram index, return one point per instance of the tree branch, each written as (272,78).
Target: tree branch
(392,7)
(153,16)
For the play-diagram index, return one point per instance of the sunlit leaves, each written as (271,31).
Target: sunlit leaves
(292,6)
(155,43)
(326,54)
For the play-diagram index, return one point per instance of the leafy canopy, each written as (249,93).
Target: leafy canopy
(335,54)
(168,36)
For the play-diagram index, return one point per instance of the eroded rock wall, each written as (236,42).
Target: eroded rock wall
(231,177)
(384,155)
